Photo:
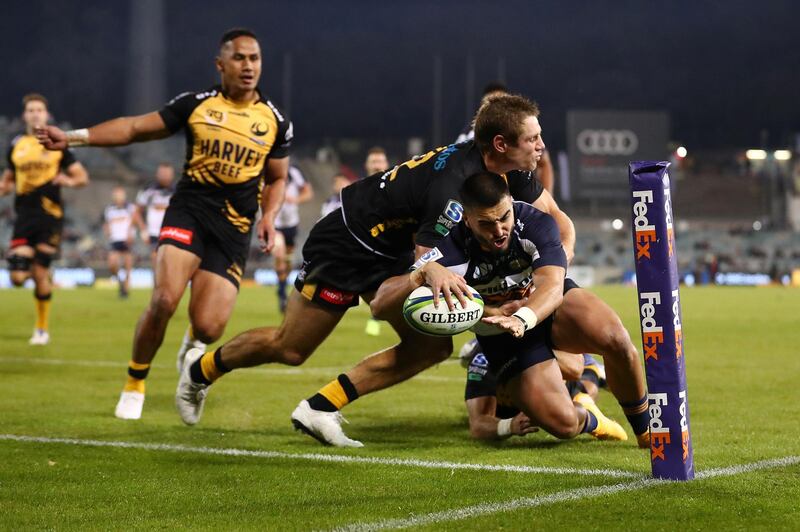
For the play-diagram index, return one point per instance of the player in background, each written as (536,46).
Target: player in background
(119,220)
(36,176)
(334,201)
(513,256)
(544,170)
(238,140)
(376,162)
(152,202)
(298,191)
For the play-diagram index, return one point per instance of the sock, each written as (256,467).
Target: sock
(43,310)
(334,395)
(190,333)
(208,368)
(637,414)
(137,373)
(591,423)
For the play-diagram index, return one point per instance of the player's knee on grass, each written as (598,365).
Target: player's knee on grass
(564,424)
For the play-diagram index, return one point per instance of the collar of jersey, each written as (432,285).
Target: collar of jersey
(233,103)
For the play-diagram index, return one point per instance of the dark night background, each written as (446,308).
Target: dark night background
(728,72)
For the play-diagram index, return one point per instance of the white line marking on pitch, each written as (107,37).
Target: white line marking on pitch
(341,458)
(275,370)
(553,498)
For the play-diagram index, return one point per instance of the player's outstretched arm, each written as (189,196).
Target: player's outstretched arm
(566,228)
(116,132)
(549,283)
(275,176)
(484,425)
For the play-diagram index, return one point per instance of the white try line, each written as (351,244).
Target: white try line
(479,510)
(273,370)
(319,457)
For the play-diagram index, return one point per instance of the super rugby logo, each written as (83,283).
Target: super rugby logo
(652,332)
(676,323)
(684,426)
(668,217)
(644,232)
(659,434)
(452,214)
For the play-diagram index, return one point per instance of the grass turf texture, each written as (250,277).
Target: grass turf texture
(742,372)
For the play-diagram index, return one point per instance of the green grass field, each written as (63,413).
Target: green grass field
(743,371)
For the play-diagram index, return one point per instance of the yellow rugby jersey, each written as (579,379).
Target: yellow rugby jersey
(34,168)
(227,148)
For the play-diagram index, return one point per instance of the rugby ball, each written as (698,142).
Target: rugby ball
(419,312)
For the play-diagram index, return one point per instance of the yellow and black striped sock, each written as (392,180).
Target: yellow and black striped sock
(137,373)
(335,395)
(43,310)
(208,368)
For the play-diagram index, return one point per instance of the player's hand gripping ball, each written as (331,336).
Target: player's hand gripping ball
(419,312)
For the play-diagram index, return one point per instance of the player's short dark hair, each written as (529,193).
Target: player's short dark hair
(376,150)
(33,97)
(495,86)
(502,114)
(483,190)
(233,33)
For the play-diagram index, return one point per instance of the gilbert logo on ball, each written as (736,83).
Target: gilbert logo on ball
(419,312)
(671,454)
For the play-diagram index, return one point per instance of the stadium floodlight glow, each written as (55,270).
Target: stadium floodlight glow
(755,155)
(616,224)
(681,152)
(782,155)
(757,226)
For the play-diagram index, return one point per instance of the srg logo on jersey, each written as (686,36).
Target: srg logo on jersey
(215,116)
(652,332)
(645,233)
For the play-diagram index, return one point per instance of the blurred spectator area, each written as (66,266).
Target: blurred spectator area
(721,206)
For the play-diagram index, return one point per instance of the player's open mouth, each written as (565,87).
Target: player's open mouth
(499,242)
(247,78)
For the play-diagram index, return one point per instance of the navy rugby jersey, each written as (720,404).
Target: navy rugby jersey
(534,243)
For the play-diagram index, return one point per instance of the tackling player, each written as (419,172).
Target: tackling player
(119,219)
(37,175)
(238,142)
(298,191)
(544,168)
